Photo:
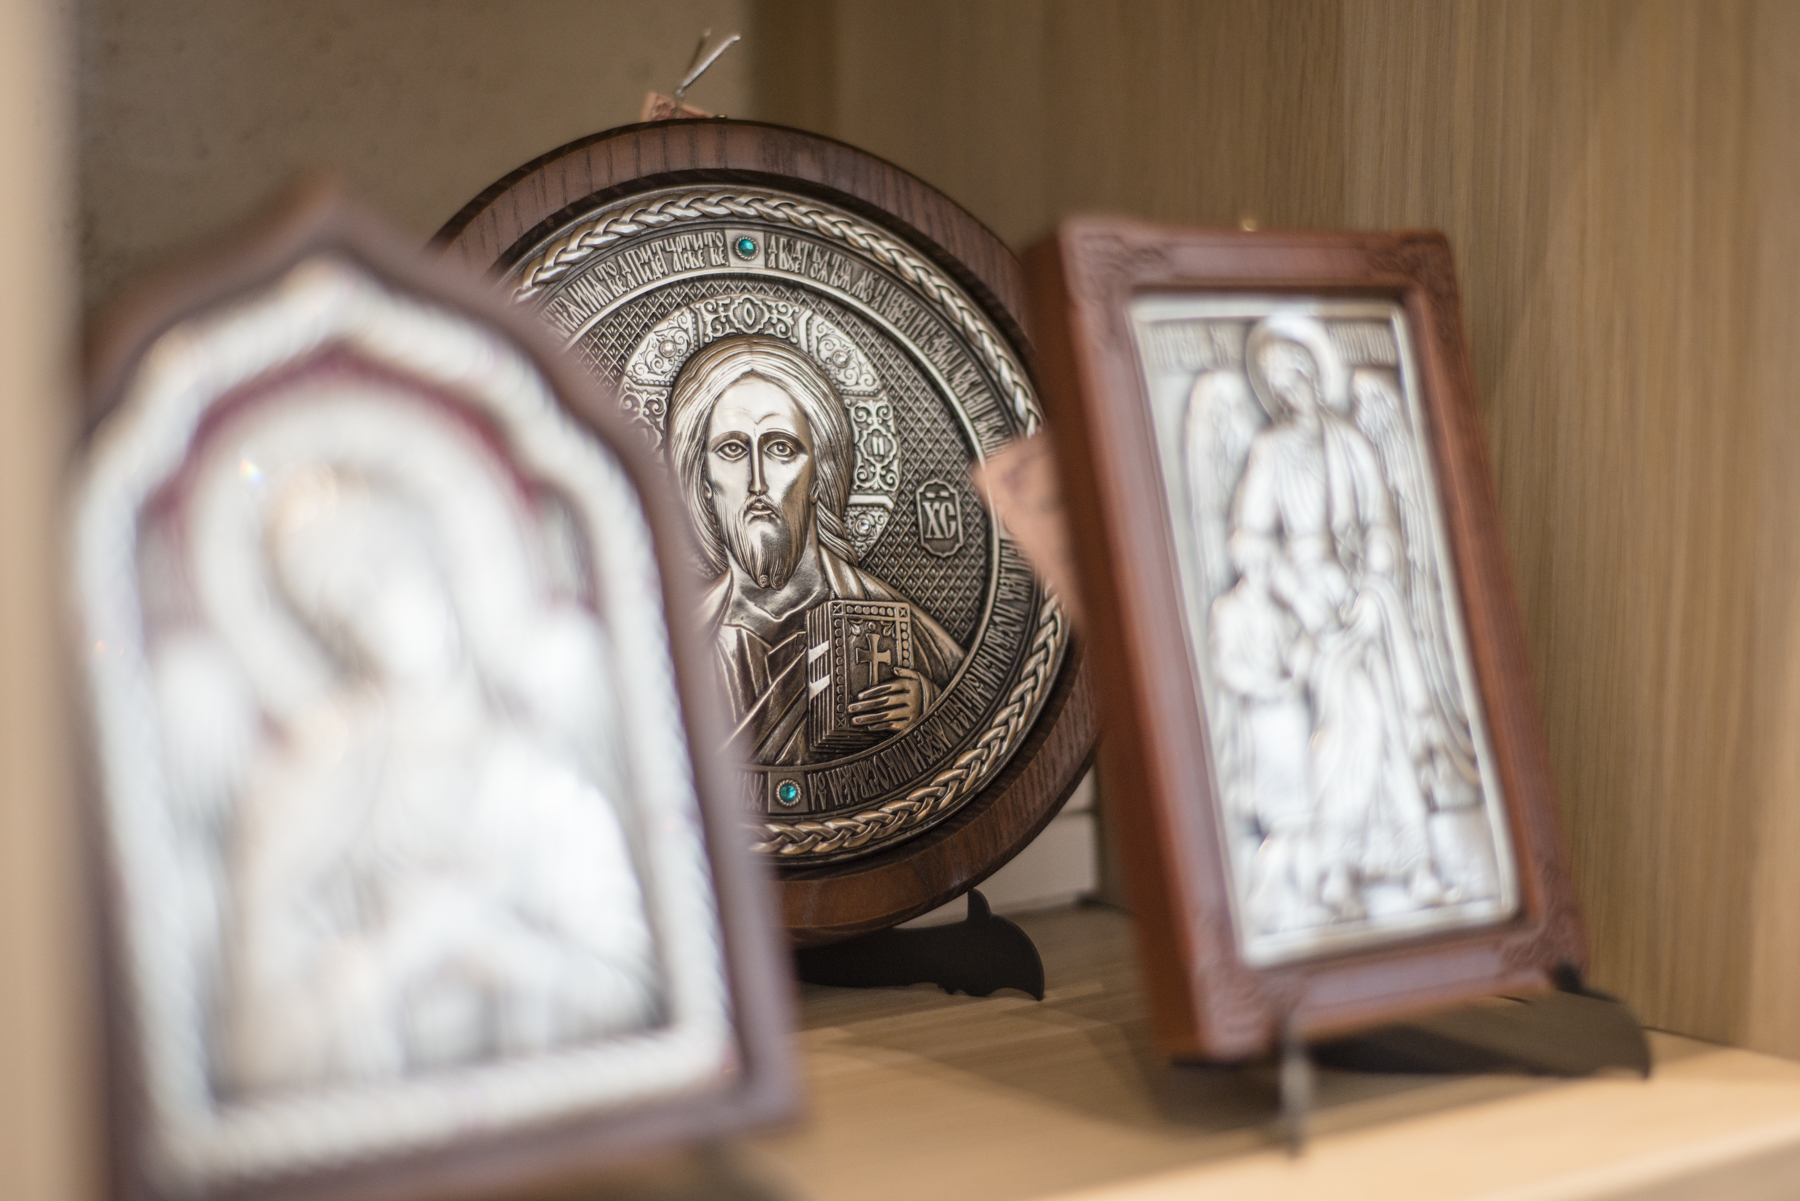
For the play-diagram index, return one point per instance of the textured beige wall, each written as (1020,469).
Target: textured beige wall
(1024,110)
(46,1127)
(193,111)
(1618,179)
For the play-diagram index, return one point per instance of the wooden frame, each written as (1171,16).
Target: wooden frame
(1207,1000)
(759,1087)
(500,226)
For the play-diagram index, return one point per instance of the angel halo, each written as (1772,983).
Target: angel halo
(1357,792)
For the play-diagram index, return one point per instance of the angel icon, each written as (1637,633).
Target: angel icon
(1342,733)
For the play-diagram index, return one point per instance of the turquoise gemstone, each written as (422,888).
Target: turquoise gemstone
(746,248)
(788,792)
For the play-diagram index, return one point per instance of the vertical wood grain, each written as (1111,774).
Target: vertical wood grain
(47,1143)
(1620,180)
(1612,320)
(1772,1019)
(794,63)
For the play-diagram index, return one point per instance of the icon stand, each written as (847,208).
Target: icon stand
(1572,1032)
(979,955)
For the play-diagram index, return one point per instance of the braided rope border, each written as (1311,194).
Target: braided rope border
(959,780)
(1001,738)
(572,249)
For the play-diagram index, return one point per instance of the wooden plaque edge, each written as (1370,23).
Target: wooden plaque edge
(315,218)
(1205,1001)
(831,901)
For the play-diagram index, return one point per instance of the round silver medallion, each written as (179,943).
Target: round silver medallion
(820,391)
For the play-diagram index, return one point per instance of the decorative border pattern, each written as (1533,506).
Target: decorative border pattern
(572,249)
(956,782)
(996,744)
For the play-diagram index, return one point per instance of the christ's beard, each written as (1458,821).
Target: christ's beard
(762,543)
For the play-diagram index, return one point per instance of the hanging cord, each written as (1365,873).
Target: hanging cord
(658,107)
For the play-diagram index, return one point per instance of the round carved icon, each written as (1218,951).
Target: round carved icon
(819,381)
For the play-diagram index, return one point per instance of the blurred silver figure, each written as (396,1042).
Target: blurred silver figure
(396,778)
(419,877)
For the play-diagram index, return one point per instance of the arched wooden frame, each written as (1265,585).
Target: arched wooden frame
(500,226)
(316,221)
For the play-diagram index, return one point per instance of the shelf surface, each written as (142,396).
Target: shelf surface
(912,1093)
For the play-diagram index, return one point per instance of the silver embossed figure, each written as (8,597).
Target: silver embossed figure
(414,872)
(821,391)
(1359,795)
(395,779)
(764,447)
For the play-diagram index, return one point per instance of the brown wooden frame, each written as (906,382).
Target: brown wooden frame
(500,226)
(315,220)
(1205,1001)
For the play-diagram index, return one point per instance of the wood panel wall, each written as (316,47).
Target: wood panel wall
(1771,1012)
(1620,180)
(48,1137)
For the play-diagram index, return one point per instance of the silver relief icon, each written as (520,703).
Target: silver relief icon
(820,391)
(763,449)
(459,846)
(940,517)
(1357,790)
(395,775)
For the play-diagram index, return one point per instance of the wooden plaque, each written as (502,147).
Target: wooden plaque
(1332,788)
(679,258)
(420,878)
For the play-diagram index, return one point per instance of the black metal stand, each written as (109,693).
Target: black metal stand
(979,955)
(1575,1031)
(1296,1084)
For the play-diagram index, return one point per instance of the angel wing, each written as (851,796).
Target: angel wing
(1381,415)
(1384,422)
(1220,423)
(1222,419)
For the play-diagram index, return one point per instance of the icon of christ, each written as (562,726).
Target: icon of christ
(763,448)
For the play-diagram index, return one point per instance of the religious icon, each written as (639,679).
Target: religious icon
(1360,794)
(418,873)
(1334,800)
(796,423)
(764,449)
(820,387)
(396,765)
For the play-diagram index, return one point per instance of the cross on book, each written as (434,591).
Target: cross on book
(852,645)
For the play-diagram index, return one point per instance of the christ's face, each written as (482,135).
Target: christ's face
(759,465)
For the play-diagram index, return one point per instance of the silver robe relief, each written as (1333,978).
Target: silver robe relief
(819,391)
(1357,791)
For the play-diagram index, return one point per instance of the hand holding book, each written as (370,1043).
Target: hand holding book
(893,706)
